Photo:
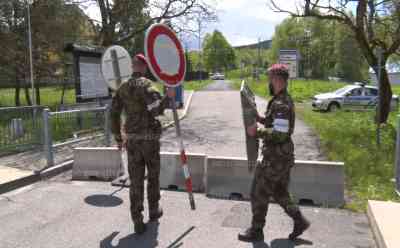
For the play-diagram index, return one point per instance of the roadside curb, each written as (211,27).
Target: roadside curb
(35,177)
(55,170)
(18,183)
(185,111)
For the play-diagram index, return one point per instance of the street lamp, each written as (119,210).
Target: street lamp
(30,53)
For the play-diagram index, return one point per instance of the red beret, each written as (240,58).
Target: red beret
(279,69)
(140,57)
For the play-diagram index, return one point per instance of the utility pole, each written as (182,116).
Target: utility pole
(30,54)
(259,58)
(200,49)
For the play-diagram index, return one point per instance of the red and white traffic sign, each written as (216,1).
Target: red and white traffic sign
(165,55)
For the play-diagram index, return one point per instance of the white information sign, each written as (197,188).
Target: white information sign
(290,58)
(91,81)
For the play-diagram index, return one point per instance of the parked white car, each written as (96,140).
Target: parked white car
(218,76)
(355,96)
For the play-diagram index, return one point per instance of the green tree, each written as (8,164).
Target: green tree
(323,53)
(125,21)
(218,53)
(375,25)
(53,23)
(350,63)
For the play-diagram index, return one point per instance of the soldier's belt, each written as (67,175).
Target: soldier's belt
(143,136)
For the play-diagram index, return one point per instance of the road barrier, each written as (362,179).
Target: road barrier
(321,183)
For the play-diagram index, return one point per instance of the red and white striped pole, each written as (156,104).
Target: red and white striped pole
(183,157)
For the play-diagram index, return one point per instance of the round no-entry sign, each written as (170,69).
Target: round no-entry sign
(165,55)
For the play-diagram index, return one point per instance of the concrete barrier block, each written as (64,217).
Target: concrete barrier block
(171,173)
(321,182)
(228,177)
(383,218)
(101,163)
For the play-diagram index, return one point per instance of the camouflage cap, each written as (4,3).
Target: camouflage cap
(279,69)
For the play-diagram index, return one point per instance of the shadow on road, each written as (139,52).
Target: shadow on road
(260,244)
(148,239)
(177,242)
(282,243)
(286,243)
(103,200)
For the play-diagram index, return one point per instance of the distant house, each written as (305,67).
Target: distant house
(394,74)
(262,45)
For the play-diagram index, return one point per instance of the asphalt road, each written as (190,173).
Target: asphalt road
(60,213)
(214,126)
(95,214)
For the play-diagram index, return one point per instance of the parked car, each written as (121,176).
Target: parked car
(218,76)
(355,96)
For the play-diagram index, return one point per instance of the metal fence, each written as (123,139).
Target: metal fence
(20,128)
(74,126)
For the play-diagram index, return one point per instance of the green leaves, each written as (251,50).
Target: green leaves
(327,48)
(218,53)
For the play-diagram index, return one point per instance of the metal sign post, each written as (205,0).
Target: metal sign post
(378,111)
(291,59)
(116,67)
(397,156)
(167,63)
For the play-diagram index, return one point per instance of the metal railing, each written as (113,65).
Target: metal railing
(20,128)
(69,127)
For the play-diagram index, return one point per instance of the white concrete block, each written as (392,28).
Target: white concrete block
(321,182)
(228,177)
(171,173)
(101,163)
(383,217)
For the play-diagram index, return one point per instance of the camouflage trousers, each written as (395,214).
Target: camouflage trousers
(143,154)
(271,179)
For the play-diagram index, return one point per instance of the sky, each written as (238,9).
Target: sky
(241,21)
(245,21)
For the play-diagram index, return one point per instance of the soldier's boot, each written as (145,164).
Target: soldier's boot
(140,227)
(251,235)
(300,225)
(156,214)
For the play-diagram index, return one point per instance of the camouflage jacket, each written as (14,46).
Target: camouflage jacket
(278,127)
(141,103)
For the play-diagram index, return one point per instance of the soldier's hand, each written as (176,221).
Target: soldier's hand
(252,130)
(171,93)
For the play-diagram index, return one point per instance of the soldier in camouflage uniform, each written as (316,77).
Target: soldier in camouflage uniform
(271,177)
(141,103)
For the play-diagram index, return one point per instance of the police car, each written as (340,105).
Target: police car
(355,96)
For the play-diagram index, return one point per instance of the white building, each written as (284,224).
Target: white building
(394,74)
